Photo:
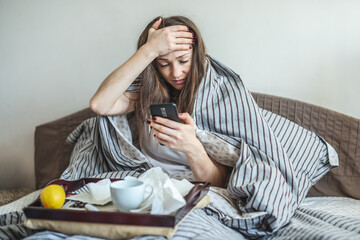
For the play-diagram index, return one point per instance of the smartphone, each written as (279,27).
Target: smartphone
(165,110)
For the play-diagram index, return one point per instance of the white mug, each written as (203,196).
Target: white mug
(129,194)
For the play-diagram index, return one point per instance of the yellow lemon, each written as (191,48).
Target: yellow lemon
(52,196)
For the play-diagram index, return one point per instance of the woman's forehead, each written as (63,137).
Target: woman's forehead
(175,55)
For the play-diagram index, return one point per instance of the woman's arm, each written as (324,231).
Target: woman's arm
(182,138)
(205,169)
(111,98)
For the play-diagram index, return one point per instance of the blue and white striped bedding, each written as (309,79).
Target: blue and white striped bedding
(274,161)
(333,218)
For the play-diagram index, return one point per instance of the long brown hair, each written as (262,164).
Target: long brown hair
(154,88)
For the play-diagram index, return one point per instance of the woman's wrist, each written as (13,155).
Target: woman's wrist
(148,51)
(196,152)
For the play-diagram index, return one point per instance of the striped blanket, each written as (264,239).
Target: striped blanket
(274,161)
(316,218)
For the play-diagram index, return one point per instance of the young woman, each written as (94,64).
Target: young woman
(167,67)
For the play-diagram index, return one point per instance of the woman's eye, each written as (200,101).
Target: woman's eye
(185,61)
(164,65)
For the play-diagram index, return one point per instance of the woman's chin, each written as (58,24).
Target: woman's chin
(179,87)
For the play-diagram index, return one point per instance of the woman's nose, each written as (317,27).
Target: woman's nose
(176,71)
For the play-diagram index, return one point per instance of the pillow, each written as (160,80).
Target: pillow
(339,130)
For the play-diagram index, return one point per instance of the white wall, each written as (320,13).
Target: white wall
(55,53)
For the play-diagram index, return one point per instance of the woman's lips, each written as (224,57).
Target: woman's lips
(180,81)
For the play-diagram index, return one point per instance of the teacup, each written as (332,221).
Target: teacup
(129,194)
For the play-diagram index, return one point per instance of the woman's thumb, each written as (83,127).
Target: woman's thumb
(157,24)
(186,118)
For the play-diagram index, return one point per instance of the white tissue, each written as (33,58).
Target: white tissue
(183,186)
(99,193)
(168,193)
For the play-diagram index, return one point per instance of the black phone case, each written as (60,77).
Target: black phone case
(165,110)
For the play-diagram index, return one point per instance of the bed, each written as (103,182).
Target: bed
(331,209)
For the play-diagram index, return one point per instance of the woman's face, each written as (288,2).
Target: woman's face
(175,67)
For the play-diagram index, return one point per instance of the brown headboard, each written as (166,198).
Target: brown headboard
(52,153)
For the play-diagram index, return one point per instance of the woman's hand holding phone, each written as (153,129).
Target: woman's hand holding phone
(177,136)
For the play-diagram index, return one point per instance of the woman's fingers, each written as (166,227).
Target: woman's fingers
(165,129)
(163,138)
(182,47)
(178,136)
(169,39)
(182,34)
(166,122)
(160,129)
(178,28)
(184,41)
(163,134)
(183,37)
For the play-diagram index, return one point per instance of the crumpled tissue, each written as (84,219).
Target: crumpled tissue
(168,193)
(99,193)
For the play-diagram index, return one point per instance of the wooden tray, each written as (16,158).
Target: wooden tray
(36,211)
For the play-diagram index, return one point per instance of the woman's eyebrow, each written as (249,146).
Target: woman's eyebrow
(164,59)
